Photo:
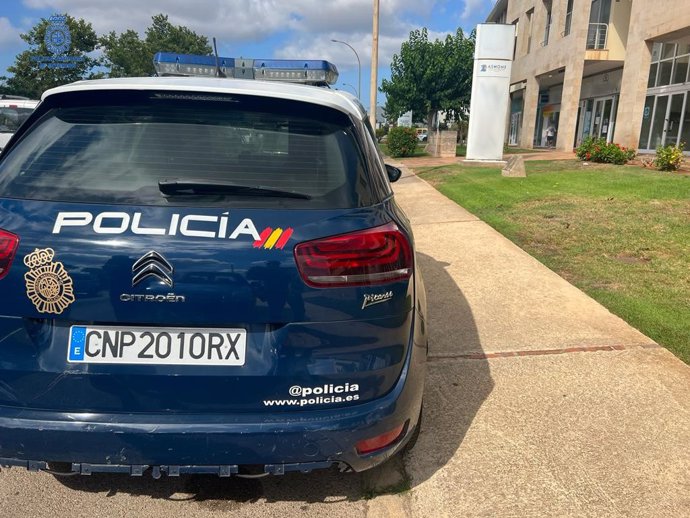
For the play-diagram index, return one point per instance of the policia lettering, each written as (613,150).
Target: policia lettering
(48,284)
(190,225)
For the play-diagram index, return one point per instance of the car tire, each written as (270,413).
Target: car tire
(415,433)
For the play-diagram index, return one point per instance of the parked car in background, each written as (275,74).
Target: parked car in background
(13,112)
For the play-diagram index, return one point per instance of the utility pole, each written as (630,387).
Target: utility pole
(374,86)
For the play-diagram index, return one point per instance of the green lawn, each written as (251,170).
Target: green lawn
(621,234)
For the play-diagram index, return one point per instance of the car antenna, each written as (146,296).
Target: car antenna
(219,72)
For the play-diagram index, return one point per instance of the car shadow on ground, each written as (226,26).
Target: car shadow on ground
(456,387)
(458,377)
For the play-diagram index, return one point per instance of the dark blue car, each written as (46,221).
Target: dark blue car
(204,275)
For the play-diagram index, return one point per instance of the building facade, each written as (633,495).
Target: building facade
(616,69)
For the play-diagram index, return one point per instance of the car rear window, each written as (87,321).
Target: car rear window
(115,147)
(11,117)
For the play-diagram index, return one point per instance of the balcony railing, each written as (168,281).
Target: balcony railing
(568,23)
(597,36)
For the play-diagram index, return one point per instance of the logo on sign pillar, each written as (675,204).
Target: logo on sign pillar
(58,41)
(58,38)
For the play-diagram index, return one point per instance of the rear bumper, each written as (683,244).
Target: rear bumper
(222,444)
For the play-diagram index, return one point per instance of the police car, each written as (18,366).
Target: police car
(205,275)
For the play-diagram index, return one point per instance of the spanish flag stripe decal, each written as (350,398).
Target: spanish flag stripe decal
(284,238)
(273,238)
(263,237)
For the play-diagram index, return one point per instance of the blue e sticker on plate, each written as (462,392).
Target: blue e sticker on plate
(76,343)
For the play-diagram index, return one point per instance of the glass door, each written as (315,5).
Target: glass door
(603,116)
(646,122)
(674,119)
(656,135)
(606,119)
(587,118)
(665,121)
(596,122)
(685,129)
(598,117)
(514,136)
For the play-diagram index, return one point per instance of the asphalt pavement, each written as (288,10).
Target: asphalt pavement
(539,402)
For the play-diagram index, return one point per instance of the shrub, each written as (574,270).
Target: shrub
(598,150)
(402,141)
(669,158)
(381,132)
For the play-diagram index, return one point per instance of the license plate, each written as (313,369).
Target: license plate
(153,346)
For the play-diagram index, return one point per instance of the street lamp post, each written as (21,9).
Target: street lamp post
(353,88)
(373,80)
(359,67)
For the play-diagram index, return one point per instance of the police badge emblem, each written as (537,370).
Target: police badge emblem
(57,38)
(48,284)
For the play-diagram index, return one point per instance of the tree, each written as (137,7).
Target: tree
(31,77)
(127,55)
(430,76)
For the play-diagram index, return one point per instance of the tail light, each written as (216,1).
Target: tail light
(8,247)
(374,256)
(380,441)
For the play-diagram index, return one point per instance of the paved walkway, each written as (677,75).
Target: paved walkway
(430,161)
(539,402)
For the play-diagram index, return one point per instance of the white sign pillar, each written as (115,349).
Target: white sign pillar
(493,56)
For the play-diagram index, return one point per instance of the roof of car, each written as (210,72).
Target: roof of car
(19,103)
(337,99)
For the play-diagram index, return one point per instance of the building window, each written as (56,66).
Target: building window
(652,75)
(568,18)
(666,115)
(680,69)
(663,77)
(670,64)
(547,26)
(599,16)
(530,16)
(668,50)
(515,43)
(501,18)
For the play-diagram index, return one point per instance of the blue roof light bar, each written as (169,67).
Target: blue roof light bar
(313,72)
(172,64)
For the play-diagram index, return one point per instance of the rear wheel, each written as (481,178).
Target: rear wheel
(415,433)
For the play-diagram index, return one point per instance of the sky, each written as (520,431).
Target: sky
(291,29)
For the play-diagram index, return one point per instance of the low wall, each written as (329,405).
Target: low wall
(442,143)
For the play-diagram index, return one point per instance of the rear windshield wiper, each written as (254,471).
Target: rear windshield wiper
(191,186)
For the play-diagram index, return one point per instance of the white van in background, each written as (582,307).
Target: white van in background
(13,112)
